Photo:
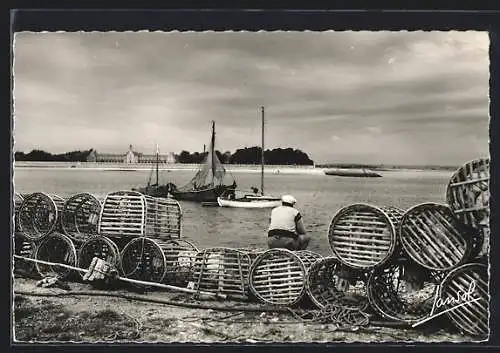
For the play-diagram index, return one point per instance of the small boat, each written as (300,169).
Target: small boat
(249,201)
(208,183)
(155,189)
(350,172)
(229,199)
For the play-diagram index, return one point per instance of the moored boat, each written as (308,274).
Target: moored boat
(156,189)
(229,199)
(348,172)
(208,183)
(249,201)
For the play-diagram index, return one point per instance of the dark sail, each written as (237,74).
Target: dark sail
(211,172)
(208,182)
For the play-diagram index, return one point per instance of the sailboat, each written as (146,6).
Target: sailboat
(208,182)
(252,200)
(155,189)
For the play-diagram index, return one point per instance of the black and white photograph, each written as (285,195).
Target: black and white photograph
(250,187)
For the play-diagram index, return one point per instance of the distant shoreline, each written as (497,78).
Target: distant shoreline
(233,168)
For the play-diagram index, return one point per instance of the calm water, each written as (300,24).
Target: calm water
(319,198)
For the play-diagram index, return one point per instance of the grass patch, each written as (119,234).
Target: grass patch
(107,315)
(45,321)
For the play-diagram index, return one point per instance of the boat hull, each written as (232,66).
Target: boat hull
(248,203)
(161,191)
(204,195)
(359,173)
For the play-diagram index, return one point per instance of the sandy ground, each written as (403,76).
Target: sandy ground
(41,316)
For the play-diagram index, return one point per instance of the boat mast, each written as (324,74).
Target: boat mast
(262,157)
(157,162)
(212,150)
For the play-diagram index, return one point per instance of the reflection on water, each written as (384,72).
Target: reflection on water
(319,197)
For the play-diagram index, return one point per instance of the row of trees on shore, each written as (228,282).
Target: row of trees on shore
(250,155)
(42,156)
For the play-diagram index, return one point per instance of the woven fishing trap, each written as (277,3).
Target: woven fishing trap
(80,216)
(278,276)
(100,247)
(25,248)
(180,256)
(143,259)
(468,282)
(39,215)
(468,193)
(56,248)
(331,283)
(363,236)
(18,200)
(130,214)
(222,271)
(402,290)
(433,237)
(252,252)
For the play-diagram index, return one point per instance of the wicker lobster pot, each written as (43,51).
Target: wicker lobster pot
(403,291)
(471,317)
(433,237)
(130,214)
(79,217)
(39,215)
(18,200)
(25,248)
(278,276)
(180,255)
(363,236)
(56,248)
(468,193)
(222,271)
(143,259)
(329,282)
(100,247)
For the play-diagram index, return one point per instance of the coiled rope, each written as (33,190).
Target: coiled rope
(334,313)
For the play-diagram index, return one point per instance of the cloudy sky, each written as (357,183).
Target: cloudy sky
(361,97)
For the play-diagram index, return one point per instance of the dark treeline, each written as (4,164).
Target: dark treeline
(277,156)
(251,155)
(39,155)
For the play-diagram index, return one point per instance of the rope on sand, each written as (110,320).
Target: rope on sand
(144,298)
(147,299)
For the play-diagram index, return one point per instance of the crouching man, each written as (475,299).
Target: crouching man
(286,229)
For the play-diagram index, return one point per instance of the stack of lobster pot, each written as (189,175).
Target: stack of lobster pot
(148,231)
(432,242)
(278,276)
(79,221)
(22,245)
(364,240)
(39,221)
(468,197)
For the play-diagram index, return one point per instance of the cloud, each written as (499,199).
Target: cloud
(394,97)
